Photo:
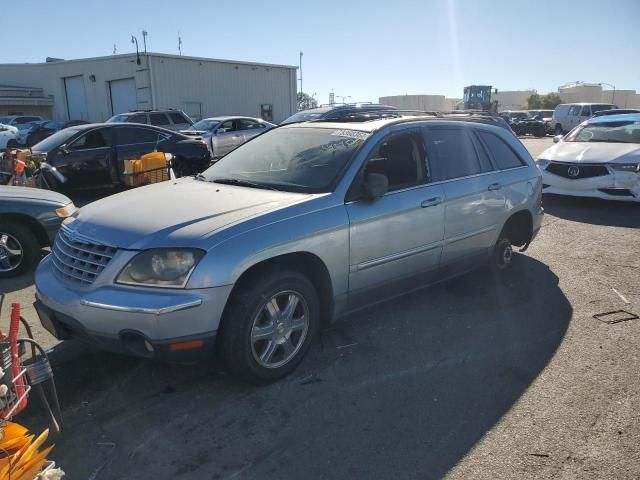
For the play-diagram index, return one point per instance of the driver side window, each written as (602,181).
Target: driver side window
(399,157)
(93,139)
(229,126)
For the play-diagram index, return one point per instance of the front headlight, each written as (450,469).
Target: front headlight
(626,167)
(542,164)
(66,211)
(162,267)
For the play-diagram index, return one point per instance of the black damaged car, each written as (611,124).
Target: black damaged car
(93,155)
(522,123)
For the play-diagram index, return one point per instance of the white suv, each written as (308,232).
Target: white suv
(8,136)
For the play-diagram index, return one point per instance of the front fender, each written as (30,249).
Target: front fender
(323,233)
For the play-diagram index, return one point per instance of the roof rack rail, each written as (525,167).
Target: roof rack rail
(345,103)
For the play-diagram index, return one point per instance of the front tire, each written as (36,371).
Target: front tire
(19,249)
(558,129)
(270,326)
(11,144)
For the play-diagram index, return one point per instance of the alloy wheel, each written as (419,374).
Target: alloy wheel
(279,329)
(11,252)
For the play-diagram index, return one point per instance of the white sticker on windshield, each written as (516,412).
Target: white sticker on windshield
(350,134)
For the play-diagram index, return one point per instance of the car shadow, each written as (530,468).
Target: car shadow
(594,211)
(402,390)
(25,280)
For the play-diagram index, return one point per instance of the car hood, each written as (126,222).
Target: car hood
(592,152)
(28,193)
(176,213)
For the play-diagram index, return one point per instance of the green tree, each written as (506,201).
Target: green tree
(534,102)
(306,101)
(539,102)
(551,101)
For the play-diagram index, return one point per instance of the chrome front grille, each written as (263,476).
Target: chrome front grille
(78,259)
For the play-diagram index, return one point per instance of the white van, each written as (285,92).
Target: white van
(569,115)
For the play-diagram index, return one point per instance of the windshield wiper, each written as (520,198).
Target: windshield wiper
(243,183)
(201,177)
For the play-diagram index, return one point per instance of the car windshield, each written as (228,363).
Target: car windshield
(118,118)
(5,120)
(303,117)
(625,131)
(204,125)
(520,116)
(305,160)
(54,125)
(55,140)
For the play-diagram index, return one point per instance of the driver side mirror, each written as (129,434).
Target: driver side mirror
(64,149)
(221,130)
(375,186)
(557,138)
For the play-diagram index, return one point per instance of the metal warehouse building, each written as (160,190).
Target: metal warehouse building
(94,89)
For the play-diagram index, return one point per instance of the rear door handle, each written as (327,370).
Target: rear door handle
(495,186)
(431,202)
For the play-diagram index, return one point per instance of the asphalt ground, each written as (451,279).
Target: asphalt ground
(484,376)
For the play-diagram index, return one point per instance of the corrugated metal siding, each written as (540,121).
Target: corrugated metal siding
(50,77)
(223,88)
(219,86)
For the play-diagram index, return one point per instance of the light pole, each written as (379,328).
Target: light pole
(343,97)
(613,95)
(301,72)
(135,40)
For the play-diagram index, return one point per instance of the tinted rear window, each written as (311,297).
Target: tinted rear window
(502,154)
(178,118)
(455,155)
(135,135)
(159,119)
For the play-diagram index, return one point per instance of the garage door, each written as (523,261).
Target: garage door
(123,95)
(76,98)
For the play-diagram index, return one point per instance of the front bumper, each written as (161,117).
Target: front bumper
(620,186)
(176,324)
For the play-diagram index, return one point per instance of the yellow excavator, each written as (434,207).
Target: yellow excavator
(480,97)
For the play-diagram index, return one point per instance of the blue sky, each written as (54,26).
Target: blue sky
(360,49)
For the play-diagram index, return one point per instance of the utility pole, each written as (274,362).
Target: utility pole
(179,44)
(144,41)
(301,72)
(114,49)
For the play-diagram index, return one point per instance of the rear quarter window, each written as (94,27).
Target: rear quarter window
(503,156)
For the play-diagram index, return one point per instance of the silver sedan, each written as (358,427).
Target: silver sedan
(224,134)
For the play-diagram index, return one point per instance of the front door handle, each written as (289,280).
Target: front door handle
(431,202)
(495,186)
